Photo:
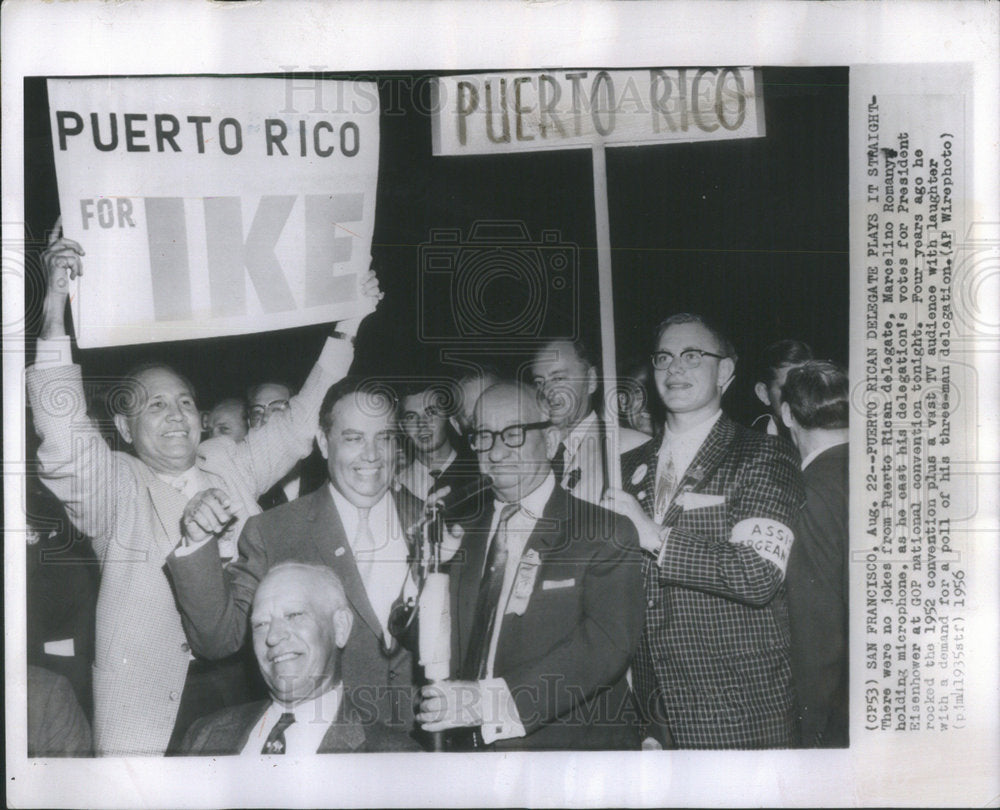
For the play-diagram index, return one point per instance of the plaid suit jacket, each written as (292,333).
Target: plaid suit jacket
(713,663)
(133,520)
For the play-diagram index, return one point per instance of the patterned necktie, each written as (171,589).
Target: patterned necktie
(364,544)
(666,483)
(559,462)
(476,660)
(275,743)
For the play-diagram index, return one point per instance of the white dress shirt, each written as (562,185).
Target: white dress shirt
(822,448)
(684,446)
(416,477)
(500,718)
(384,579)
(304,736)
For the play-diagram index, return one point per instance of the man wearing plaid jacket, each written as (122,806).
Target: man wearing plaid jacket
(713,503)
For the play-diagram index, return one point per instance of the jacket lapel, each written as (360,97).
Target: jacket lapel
(470,574)
(328,537)
(231,735)
(168,506)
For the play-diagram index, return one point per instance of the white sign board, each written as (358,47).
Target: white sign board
(484,113)
(213,206)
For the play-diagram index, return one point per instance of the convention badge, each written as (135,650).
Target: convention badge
(524,583)
(639,474)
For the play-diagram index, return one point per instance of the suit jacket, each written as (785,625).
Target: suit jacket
(215,602)
(564,659)
(463,471)
(817,602)
(227,731)
(56,725)
(312,474)
(134,521)
(714,659)
(584,475)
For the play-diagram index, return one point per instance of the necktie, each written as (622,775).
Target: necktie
(559,462)
(275,743)
(666,483)
(435,480)
(364,544)
(476,659)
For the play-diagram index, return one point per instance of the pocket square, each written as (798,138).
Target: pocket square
(552,584)
(699,500)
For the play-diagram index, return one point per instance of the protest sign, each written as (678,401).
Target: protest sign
(218,205)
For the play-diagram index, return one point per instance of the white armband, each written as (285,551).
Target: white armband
(771,539)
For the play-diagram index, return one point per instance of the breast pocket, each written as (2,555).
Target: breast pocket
(710,521)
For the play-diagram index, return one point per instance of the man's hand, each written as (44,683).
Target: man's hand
(618,500)
(207,514)
(369,289)
(62,264)
(450,704)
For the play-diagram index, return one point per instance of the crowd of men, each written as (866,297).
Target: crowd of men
(258,589)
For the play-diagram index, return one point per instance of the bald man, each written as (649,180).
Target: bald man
(300,621)
(546,600)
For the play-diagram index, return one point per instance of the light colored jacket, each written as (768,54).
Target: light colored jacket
(134,520)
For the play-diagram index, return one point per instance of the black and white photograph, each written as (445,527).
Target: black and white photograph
(567,424)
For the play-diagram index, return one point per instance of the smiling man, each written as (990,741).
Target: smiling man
(354,525)
(713,503)
(546,603)
(130,506)
(300,622)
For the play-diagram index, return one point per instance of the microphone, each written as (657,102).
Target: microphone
(467,492)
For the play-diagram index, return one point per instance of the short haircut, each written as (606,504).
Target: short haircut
(328,578)
(232,402)
(581,347)
(817,395)
(524,391)
(376,395)
(254,389)
(779,354)
(123,399)
(726,348)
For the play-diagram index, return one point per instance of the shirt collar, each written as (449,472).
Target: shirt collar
(170,478)
(322,707)
(344,506)
(812,456)
(534,502)
(692,436)
(585,427)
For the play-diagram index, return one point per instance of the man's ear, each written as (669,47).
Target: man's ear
(122,425)
(324,447)
(761,391)
(786,415)
(591,380)
(727,373)
(455,426)
(343,619)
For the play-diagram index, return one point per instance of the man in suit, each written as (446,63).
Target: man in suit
(713,504)
(263,401)
(130,506)
(814,408)
(565,377)
(300,623)
(354,524)
(546,602)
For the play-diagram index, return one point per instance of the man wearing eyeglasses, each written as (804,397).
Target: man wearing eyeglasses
(712,503)
(546,603)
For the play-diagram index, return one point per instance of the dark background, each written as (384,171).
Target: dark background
(751,233)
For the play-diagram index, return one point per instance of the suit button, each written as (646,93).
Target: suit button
(392,674)
(185,647)
(173,696)
(651,602)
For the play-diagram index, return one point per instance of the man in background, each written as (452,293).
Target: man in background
(228,418)
(566,376)
(775,363)
(814,409)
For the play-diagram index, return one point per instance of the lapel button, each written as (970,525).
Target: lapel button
(339,552)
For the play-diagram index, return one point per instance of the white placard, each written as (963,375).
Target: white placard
(223,206)
(484,113)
